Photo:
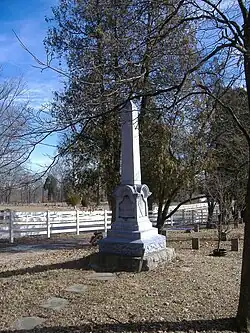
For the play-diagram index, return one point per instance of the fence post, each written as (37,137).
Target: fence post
(172,220)
(217,214)
(183,216)
(48,224)
(105,221)
(201,218)
(77,222)
(192,216)
(11,231)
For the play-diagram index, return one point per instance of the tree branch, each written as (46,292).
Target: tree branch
(182,203)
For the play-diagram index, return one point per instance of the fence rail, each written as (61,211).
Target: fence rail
(19,224)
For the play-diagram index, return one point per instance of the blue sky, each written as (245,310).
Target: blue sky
(27,19)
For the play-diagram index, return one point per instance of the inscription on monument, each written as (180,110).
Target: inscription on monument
(126,208)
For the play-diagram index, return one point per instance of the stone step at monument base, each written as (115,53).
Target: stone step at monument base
(110,262)
(131,247)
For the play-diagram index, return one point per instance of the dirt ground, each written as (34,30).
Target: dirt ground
(195,293)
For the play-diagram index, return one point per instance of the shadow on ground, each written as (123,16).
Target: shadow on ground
(38,244)
(216,325)
(82,263)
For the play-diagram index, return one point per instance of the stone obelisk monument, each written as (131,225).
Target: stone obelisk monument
(132,234)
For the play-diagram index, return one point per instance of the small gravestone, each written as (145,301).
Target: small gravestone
(236,224)
(224,236)
(102,276)
(55,303)
(77,288)
(195,243)
(196,228)
(234,244)
(28,323)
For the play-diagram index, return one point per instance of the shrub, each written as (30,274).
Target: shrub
(73,199)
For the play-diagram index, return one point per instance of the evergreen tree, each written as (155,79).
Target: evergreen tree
(50,185)
(115,51)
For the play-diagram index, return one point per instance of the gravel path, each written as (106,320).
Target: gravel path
(196,293)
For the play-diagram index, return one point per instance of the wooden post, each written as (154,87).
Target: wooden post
(192,216)
(183,216)
(77,222)
(201,218)
(11,231)
(195,243)
(196,227)
(223,236)
(105,222)
(240,218)
(48,224)
(217,215)
(236,224)
(172,220)
(235,244)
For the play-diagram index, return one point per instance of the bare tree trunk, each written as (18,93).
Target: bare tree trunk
(159,214)
(112,207)
(150,203)
(162,217)
(42,195)
(49,196)
(219,227)
(243,314)
(8,194)
(98,200)
(210,208)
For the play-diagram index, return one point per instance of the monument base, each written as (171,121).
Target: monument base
(133,248)
(110,262)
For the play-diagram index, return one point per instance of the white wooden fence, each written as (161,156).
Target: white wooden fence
(185,215)
(19,224)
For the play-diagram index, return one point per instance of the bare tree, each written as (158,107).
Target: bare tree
(224,30)
(15,120)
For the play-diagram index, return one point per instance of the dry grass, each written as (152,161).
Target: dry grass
(196,293)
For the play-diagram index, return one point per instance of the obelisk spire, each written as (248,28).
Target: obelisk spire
(131,166)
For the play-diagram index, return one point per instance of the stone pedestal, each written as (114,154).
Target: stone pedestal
(132,234)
